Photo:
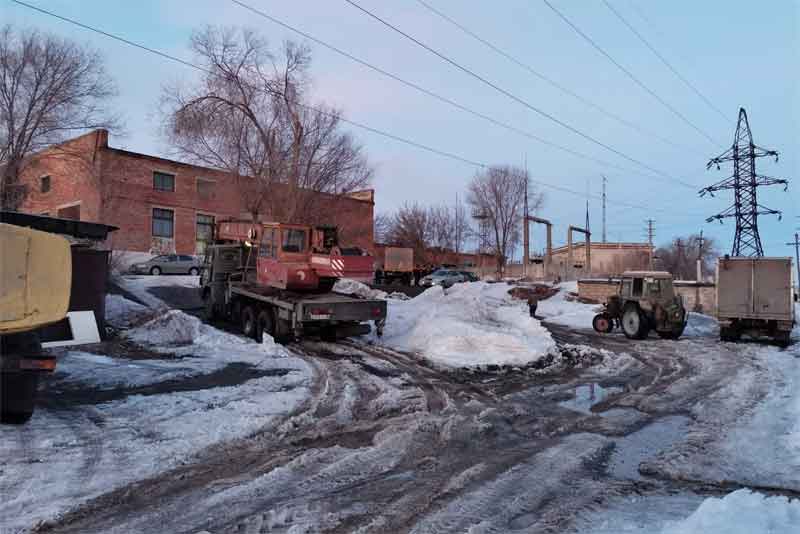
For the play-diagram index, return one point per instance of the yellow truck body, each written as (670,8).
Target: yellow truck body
(35,278)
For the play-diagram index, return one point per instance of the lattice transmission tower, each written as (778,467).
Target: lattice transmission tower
(744,183)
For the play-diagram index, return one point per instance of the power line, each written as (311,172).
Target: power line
(664,61)
(552,82)
(376,131)
(629,73)
(425,91)
(512,96)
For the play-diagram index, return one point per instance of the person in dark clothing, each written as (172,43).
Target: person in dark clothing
(533,303)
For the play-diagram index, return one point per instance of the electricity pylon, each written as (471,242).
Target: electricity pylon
(744,183)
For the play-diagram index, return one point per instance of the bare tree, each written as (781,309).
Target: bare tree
(410,227)
(50,88)
(448,227)
(382,225)
(680,256)
(498,194)
(250,115)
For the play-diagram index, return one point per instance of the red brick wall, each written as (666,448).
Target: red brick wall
(72,168)
(124,182)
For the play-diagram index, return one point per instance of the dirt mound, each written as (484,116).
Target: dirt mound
(539,291)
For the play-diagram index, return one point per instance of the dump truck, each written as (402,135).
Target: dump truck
(35,281)
(255,281)
(394,265)
(755,298)
(645,301)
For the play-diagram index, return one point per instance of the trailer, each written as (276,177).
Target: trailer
(230,289)
(755,298)
(394,265)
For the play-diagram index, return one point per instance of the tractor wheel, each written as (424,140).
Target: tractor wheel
(266,324)
(634,323)
(672,334)
(602,323)
(249,325)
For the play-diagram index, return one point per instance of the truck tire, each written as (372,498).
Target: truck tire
(18,397)
(634,323)
(266,324)
(783,339)
(729,333)
(249,324)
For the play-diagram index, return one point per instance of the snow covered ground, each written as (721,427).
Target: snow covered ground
(467,325)
(138,286)
(68,454)
(559,309)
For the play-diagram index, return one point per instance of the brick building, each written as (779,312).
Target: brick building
(159,205)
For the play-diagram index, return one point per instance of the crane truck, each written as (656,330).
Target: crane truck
(35,282)
(278,278)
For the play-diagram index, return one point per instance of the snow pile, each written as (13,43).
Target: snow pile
(468,325)
(171,328)
(741,512)
(121,311)
(700,325)
(347,286)
(559,310)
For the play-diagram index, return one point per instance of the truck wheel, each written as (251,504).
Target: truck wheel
(783,339)
(634,323)
(325,284)
(729,334)
(249,325)
(18,397)
(266,324)
(208,303)
(602,323)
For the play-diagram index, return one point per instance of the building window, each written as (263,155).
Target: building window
(205,188)
(44,184)
(204,231)
(163,223)
(163,181)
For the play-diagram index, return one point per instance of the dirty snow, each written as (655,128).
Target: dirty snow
(68,455)
(741,512)
(559,310)
(347,286)
(120,312)
(468,325)
(700,325)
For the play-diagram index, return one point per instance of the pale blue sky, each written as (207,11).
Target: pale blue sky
(737,53)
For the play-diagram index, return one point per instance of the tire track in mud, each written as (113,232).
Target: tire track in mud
(388,443)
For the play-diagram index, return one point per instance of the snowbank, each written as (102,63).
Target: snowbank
(468,325)
(121,311)
(557,309)
(741,512)
(700,325)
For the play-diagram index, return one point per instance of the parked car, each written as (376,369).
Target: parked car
(443,277)
(469,276)
(169,264)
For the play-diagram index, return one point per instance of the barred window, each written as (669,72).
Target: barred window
(45,184)
(163,181)
(163,223)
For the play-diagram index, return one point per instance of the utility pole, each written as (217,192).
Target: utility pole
(744,182)
(700,257)
(650,235)
(526,237)
(796,246)
(604,209)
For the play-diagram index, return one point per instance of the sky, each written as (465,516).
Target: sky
(735,54)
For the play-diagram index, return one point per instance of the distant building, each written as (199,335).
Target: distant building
(160,205)
(608,259)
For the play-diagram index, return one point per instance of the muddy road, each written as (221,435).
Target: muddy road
(387,443)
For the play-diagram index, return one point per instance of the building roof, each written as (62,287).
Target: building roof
(54,225)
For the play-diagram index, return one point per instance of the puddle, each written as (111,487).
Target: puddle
(587,395)
(645,444)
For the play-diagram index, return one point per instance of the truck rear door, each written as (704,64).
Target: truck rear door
(772,291)
(735,287)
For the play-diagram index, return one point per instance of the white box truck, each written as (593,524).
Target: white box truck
(755,297)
